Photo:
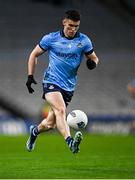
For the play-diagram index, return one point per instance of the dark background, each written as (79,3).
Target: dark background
(110,25)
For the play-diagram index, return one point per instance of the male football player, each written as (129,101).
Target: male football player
(65,50)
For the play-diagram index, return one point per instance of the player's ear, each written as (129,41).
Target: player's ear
(64,22)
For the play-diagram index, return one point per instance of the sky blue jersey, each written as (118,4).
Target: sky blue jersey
(65,56)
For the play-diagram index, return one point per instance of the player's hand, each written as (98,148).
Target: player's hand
(29,83)
(91,64)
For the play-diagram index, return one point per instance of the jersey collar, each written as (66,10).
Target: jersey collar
(70,38)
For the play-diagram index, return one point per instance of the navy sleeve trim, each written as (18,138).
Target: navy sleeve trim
(42,47)
(89,52)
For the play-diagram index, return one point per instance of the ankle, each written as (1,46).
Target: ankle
(69,140)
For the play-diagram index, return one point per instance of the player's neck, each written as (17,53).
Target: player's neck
(68,37)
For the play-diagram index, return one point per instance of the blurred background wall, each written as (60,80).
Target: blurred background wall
(111,26)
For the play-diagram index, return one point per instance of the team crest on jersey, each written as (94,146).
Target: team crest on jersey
(79,45)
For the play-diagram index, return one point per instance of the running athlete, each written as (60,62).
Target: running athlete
(65,49)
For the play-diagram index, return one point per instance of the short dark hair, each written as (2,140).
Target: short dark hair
(74,15)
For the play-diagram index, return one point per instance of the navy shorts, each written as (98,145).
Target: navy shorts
(49,87)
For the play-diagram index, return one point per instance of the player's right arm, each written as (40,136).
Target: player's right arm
(43,46)
(37,51)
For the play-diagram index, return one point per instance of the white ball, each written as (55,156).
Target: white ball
(77,119)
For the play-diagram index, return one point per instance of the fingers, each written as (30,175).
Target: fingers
(34,82)
(30,89)
(29,83)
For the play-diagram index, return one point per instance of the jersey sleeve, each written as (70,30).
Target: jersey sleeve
(88,48)
(45,42)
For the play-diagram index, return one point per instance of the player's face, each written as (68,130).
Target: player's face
(70,27)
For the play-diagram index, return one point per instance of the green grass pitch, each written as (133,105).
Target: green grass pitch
(101,156)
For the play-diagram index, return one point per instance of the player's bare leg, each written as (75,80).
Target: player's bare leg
(55,118)
(45,125)
(57,103)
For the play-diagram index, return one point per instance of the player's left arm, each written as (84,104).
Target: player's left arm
(92,60)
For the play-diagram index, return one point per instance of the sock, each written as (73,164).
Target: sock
(35,131)
(69,141)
